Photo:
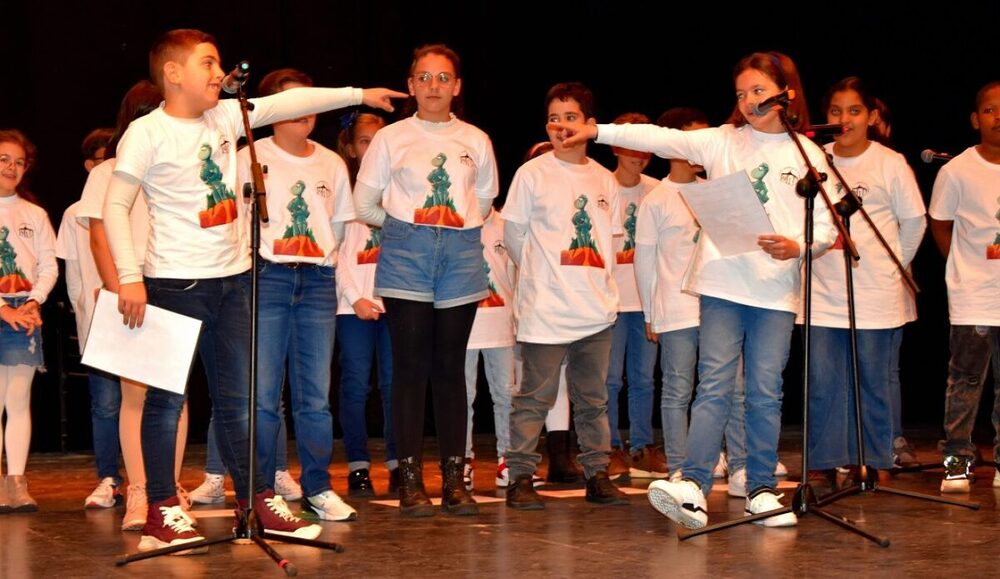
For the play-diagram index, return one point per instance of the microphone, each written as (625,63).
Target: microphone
(781,99)
(237,78)
(831,130)
(929,156)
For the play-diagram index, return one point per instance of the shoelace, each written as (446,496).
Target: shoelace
(176,519)
(279,507)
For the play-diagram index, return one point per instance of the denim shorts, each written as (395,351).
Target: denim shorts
(430,264)
(17,347)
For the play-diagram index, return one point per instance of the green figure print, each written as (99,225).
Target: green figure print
(581,221)
(630,227)
(8,257)
(211,175)
(299,210)
(759,187)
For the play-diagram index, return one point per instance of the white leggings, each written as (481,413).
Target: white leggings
(15,399)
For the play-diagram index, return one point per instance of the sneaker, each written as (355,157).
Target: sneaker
(105,496)
(996,478)
(677,475)
(721,467)
(903,455)
(168,525)
(272,512)
(681,502)
(600,490)
(330,507)
(359,483)
(649,462)
(210,492)
(618,466)
(135,509)
(780,469)
(286,486)
(468,474)
(503,474)
(738,483)
(956,474)
(183,498)
(764,500)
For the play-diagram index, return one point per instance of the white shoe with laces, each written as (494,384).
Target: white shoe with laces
(273,513)
(765,500)
(721,467)
(211,491)
(286,486)
(105,496)
(681,502)
(738,483)
(330,507)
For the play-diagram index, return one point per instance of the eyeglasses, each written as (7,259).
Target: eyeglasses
(20,163)
(425,78)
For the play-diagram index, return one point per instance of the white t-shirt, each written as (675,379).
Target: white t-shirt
(432,173)
(82,278)
(889,193)
(774,165)
(966,192)
(565,288)
(299,228)
(494,325)
(92,206)
(623,269)
(187,168)
(666,224)
(27,250)
(356,266)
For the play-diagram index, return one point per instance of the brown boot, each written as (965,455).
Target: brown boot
(562,469)
(413,500)
(455,499)
(17,494)
(4,502)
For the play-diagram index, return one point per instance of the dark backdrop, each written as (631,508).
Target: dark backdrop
(66,66)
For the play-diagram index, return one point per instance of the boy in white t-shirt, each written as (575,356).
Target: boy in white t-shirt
(183,156)
(965,222)
(561,213)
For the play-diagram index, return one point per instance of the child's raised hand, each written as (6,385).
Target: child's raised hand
(778,246)
(381,98)
(132,303)
(576,133)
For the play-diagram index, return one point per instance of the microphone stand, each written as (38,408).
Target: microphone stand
(804,500)
(248,528)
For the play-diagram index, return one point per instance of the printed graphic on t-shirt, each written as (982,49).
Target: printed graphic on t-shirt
(372,247)
(221,207)
(12,279)
(757,175)
(582,250)
(627,254)
(298,239)
(439,208)
(493,300)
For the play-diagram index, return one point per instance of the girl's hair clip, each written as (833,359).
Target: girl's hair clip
(347,121)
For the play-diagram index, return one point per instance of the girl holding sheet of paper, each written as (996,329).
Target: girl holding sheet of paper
(749,300)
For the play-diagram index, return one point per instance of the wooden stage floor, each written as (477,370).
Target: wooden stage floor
(570,538)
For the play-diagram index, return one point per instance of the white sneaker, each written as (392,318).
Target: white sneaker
(135,509)
(681,502)
(105,496)
(738,483)
(286,486)
(720,467)
(676,476)
(503,474)
(780,469)
(468,474)
(330,507)
(767,500)
(210,492)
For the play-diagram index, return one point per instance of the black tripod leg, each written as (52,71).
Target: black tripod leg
(685,534)
(202,547)
(846,523)
(285,564)
(336,547)
(932,498)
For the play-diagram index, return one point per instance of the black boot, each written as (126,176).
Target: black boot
(455,500)
(359,483)
(413,501)
(601,490)
(562,469)
(521,495)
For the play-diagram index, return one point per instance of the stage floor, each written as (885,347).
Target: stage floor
(570,538)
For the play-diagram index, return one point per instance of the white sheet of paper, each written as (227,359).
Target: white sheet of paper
(158,354)
(729,212)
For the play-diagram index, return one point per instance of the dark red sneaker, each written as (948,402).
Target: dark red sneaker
(167,525)
(273,513)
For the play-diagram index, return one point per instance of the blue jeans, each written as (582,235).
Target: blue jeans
(362,342)
(895,387)
(105,403)
(498,364)
(298,318)
(764,338)
(973,349)
(631,352)
(223,306)
(832,436)
(678,360)
(213,461)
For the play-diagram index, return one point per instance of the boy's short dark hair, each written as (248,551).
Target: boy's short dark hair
(981,93)
(680,117)
(274,81)
(174,46)
(573,90)
(631,119)
(94,141)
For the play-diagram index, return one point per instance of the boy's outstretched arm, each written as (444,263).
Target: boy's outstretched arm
(575,133)
(302,101)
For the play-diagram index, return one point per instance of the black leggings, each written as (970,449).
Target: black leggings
(428,344)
